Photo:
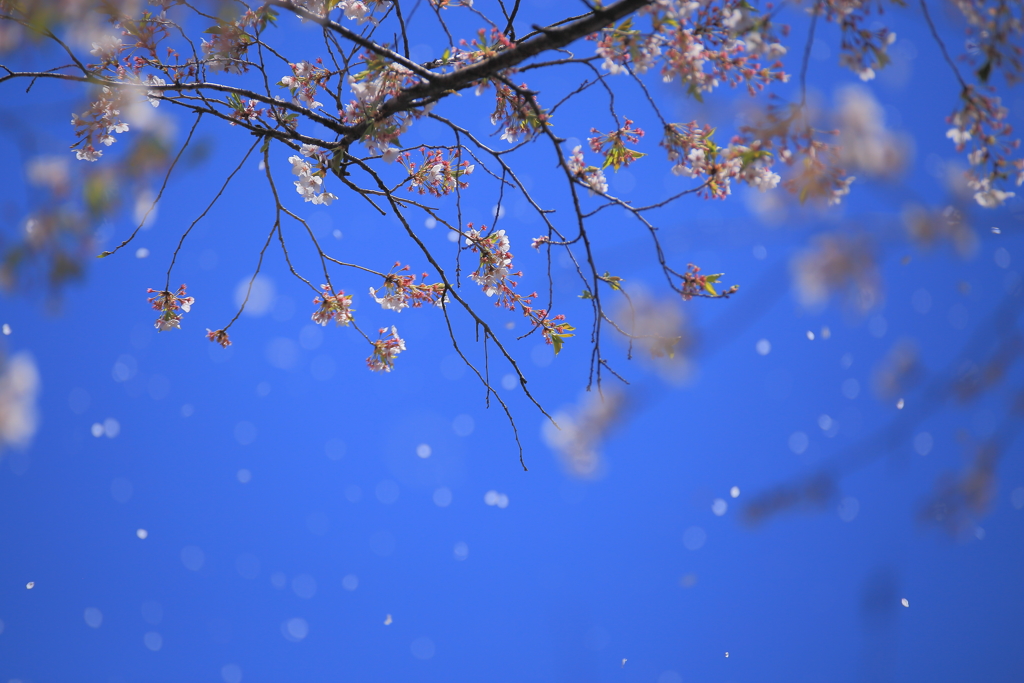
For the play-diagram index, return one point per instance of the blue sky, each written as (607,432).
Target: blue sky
(266,512)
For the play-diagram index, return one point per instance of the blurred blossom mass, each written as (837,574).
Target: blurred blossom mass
(436,340)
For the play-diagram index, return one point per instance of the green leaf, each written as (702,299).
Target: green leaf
(612,280)
(586,294)
(104,254)
(556,342)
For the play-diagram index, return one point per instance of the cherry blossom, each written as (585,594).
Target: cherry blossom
(169,304)
(218,337)
(401,291)
(440,173)
(385,350)
(337,307)
(95,125)
(311,175)
(303,83)
(697,156)
(495,259)
(590,176)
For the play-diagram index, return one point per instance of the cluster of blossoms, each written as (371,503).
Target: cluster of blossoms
(439,174)
(697,156)
(994,33)
(333,306)
(108,49)
(311,175)
(863,50)
(612,146)
(218,337)
(360,11)
(694,284)
(553,328)
(981,121)
(624,48)
(355,10)
(169,303)
(243,111)
(385,349)
(96,125)
(837,264)
(484,46)
(516,110)
(492,274)
(746,24)
(591,176)
(700,44)
(372,87)
(401,291)
(495,263)
(518,114)
(788,134)
(855,56)
(226,50)
(153,96)
(304,81)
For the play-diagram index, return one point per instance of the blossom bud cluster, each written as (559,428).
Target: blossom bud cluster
(613,145)
(484,46)
(218,337)
(694,284)
(385,349)
(516,110)
(401,291)
(169,304)
(439,174)
(492,274)
(518,114)
(337,307)
(311,175)
(243,111)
